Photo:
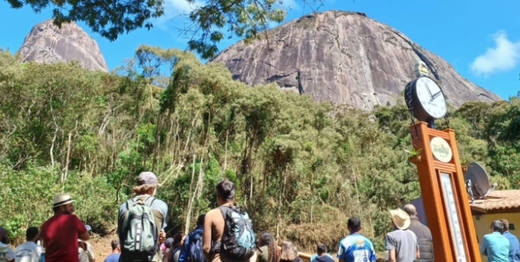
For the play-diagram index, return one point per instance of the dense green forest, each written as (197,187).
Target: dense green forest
(302,167)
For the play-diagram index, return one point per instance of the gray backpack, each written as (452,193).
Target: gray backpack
(139,233)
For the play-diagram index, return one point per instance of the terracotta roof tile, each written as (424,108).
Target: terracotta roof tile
(498,199)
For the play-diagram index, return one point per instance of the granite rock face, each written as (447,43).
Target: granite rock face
(46,43)
(346,58)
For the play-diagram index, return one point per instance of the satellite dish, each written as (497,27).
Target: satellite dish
(477,182)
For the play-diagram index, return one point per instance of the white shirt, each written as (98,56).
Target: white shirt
(28,252)
(6,253)
(84,255)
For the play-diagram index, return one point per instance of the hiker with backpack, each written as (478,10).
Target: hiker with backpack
(228,230)
(192,250)
(141,222)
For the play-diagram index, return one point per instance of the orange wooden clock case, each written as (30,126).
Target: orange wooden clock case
(444,194)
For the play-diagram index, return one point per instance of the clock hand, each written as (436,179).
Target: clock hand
(436,95)
(429,91)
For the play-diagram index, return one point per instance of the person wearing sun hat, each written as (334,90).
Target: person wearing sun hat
(401,243)
(61,232)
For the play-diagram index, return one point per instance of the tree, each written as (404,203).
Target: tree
(109,18)
(243,18)
(212,20)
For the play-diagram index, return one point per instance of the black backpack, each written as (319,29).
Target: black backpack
(239,239)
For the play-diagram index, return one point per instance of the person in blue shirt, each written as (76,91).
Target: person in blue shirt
(496,246)
(116,252)
(356,247)
(514,245)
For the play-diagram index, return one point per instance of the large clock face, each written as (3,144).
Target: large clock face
(431,97)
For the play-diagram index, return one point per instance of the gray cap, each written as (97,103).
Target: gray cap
(168,242)
(147,178)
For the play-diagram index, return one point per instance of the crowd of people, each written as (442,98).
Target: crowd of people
(224,234)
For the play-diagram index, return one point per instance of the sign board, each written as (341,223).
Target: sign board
(441,149)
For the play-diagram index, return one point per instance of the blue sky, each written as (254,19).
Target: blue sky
(480,38)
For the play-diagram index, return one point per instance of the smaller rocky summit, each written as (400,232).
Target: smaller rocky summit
(47,43)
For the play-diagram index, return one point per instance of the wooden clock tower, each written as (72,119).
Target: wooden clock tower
(441,178)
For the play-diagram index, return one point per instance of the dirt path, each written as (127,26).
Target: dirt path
(102,246)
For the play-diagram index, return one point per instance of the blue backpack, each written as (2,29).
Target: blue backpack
(239,239)
(195,243)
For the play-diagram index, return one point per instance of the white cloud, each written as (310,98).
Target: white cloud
(180,6)
(503,57)
(179,11)
(174,9)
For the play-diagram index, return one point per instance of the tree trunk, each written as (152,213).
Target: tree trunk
(192,196)
(67,159)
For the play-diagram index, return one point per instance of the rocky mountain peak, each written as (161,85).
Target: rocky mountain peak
(346,58)
(47,43)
